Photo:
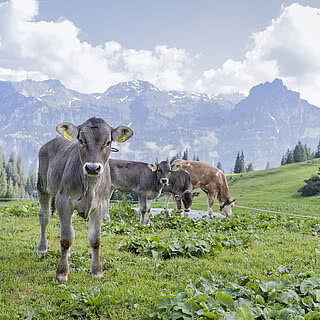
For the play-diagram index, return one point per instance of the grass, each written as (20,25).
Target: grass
(257,245)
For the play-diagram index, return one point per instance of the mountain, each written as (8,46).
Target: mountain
(263,125)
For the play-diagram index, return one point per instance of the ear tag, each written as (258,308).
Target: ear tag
(176,169)
(67,135)
(153,169)
(122,138)
(177,197)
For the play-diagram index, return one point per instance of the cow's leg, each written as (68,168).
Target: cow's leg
(177,204)
(44,216)
(66,236)
(107,204)
(143,210)
(210,200)
(95,221)
(149,206)
(166,203)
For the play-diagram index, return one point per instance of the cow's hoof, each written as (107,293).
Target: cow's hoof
(42,248)
(98,276)
(62,277)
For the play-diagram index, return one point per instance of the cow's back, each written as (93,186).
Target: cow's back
(203,175)
(130,175)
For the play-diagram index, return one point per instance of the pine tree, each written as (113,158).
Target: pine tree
(250,167)
(242,164)
(3,183)
(237,167)
(290,157)
(185,154)
(22,179)
(317,154)
(219,166)
(239,164)
(299,154)
(10,189)
(312,186)
(195,158)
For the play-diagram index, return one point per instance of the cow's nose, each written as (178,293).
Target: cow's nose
(93,168)
(164,181)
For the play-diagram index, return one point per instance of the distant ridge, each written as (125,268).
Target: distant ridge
(267,122)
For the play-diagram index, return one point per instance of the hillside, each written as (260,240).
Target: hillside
(276,189)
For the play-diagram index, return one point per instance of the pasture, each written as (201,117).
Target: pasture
(174,268)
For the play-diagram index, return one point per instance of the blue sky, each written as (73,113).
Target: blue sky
(208,45)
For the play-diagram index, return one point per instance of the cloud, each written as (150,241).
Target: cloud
(162,152)
(209,140)
(41,50)
(288,49)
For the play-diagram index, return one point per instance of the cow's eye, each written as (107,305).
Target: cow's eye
(106,144)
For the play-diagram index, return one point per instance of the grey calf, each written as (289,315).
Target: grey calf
(146,180)
(76,173)
(180,188)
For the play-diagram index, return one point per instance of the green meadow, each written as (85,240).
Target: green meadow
(253,265)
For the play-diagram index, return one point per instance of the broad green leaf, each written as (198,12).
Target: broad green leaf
(210,315)
(225,300)
(287,297)
(308,285)
(313,315)
(316,295)
(245,313)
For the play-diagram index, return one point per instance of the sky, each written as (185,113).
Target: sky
(210,46)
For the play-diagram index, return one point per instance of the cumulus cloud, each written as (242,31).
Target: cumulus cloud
(288,49)
(209,139)
(162,152)
(41,50)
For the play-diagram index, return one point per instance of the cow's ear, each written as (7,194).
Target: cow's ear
(121,134)
(174,168)
(68,130)
(195,194)
(152,167)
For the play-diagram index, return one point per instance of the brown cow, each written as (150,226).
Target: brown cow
(209,179)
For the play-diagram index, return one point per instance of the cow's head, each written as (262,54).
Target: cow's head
(163,172)
(227,206)
(94,138)
(186,198)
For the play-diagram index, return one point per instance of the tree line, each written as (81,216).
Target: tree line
(299,153)
(14,183)
(240,166)
(183,156)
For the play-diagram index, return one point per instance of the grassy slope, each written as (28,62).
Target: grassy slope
(276,189)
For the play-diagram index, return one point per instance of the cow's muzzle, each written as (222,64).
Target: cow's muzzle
(164,181)
(93,168)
